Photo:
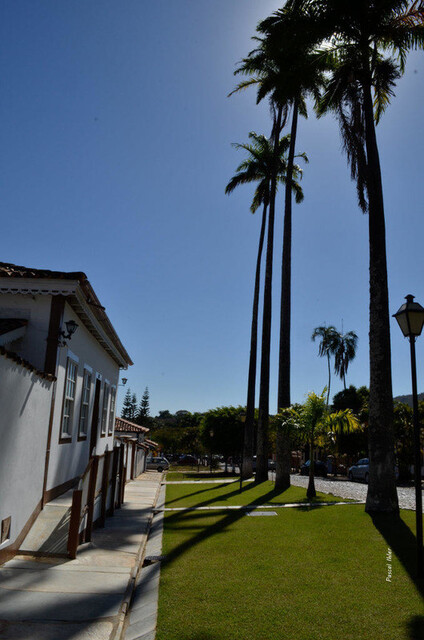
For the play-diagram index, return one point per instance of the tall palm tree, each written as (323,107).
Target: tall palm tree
(327,347)
(257,167)
(359,35)
(260,75)
(344,352)
(288,74)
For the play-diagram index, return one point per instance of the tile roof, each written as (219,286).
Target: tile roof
(151,442)
(9,270)
(24,363)
(125,425)
(15,271)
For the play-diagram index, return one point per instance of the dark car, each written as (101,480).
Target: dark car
(360,470)
(187,460)
(320,468)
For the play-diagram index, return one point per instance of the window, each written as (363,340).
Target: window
(5,529)
(104,409)
(112,409)
(69,398)
(85,405)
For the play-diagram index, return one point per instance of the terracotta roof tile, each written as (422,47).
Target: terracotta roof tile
(125,425)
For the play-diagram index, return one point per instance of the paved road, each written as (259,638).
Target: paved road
(354,490)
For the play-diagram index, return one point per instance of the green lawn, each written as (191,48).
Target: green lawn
(305,574)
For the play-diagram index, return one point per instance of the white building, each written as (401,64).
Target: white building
(57,393)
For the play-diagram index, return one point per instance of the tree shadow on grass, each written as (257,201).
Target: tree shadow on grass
(415,628)
(218,527)
(189,495)
(403,543)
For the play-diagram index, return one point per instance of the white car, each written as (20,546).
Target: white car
(158,464)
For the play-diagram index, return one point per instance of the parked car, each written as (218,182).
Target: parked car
(271,464)
(360,470)
(158,464)
(320,468)
(187,460)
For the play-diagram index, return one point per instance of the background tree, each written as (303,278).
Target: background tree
(143,412)
(221,431)
(127,406)
(326,347)
(354,444)
(133,409)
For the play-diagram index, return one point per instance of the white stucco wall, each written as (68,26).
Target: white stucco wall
(68,460)
(35,309)
(25,400)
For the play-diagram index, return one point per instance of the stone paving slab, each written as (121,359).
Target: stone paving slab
(63,566)
(63,607)
(70,631)
(64,581)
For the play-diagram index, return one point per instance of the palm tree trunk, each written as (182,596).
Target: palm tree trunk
(283,466)
(311,493)
(263,418)
(247,470)
(382,495)
(329,379)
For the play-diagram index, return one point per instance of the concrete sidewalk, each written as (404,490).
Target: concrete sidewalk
(86,598)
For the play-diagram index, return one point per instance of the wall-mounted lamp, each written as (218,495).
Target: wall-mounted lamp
(71,327)
(124,382)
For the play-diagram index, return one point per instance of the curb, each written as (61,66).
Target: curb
(118,633)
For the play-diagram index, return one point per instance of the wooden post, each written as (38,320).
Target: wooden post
(121,476)
(74,523)
(115,463)
(90,498)
(132,474)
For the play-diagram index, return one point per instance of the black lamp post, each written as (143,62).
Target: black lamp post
(410,318)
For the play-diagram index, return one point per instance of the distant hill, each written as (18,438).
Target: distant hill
(408,399)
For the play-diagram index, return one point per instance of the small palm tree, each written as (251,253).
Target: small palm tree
(313,421)
(258,167)
(326,347)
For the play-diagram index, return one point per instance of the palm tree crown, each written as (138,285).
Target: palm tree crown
(344,353)
(327,347)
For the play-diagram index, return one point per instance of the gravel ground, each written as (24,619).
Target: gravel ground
(353,490)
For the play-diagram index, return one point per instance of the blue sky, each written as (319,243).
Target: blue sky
(116,132)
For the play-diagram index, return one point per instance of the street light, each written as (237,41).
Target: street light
(410,318)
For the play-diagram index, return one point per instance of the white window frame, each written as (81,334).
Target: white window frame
(112,409)
(85,403)
(105,405)
(69,394)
